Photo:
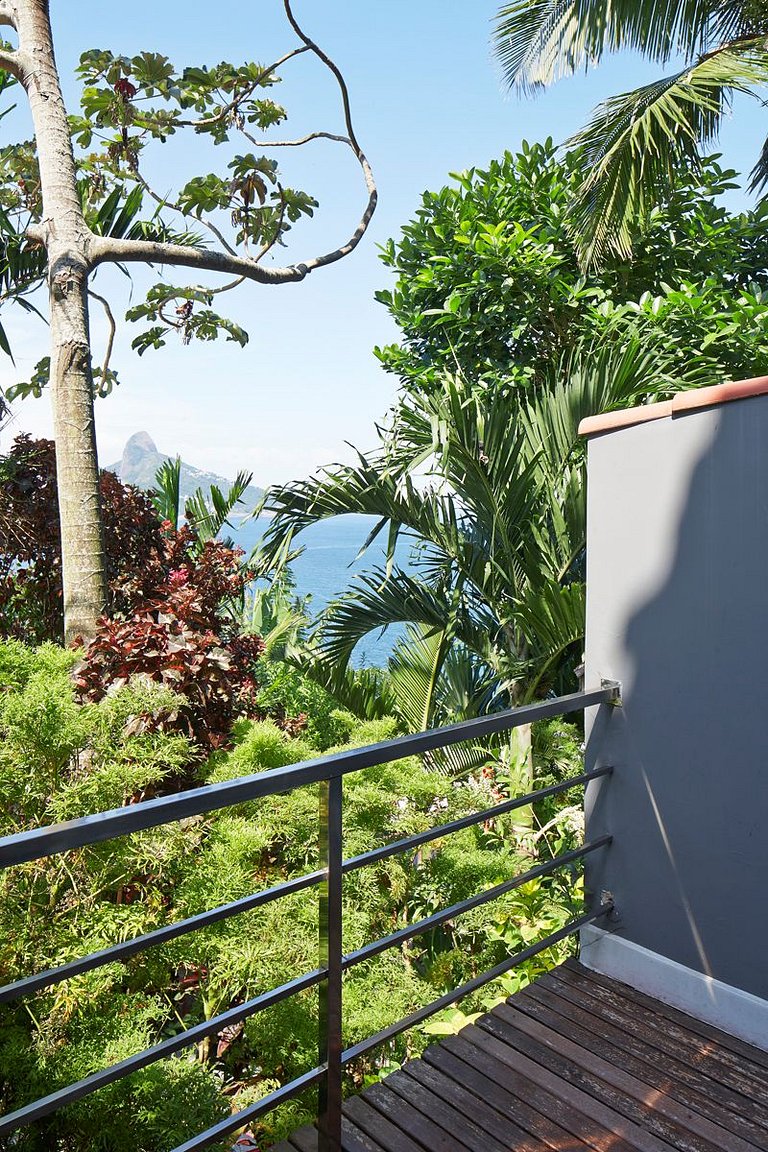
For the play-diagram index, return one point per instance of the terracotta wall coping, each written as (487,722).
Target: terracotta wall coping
(681,402)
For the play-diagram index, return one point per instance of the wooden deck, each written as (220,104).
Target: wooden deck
(576,1061)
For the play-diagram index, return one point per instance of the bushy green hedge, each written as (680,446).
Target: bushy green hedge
(60,760)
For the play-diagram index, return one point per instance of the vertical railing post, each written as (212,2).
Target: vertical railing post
(329,1118)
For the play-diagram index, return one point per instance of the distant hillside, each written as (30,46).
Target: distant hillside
(141,461)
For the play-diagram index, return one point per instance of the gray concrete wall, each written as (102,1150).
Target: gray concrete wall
(678,612)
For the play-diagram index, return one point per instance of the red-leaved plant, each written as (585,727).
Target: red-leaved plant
(171,599)
(182,636)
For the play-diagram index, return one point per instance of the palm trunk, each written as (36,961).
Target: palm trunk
(66,237)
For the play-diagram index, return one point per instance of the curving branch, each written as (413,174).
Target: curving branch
(297,143)
(225,287)
(357,235)
(106,249)
(102,249)
(111,338)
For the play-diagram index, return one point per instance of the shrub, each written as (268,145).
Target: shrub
(181,637)
(104,753)
(288,695)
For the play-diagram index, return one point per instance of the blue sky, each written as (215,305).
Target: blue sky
(427,101)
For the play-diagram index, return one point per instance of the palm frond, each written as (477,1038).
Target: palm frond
(458,760)
(207,515)
(414,672)
(365,692)
(636,142)
(166,492)
(758,177)
(374,602)
(551,619)
(539,41)
(371,488)
(469,686)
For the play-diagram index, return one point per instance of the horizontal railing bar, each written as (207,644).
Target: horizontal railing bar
(245,1115)
(31,845)
(128,948)
(55,1100)
(421,926)
(470,986)
(122,951)
(420,838)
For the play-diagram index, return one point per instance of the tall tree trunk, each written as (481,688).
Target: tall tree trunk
(66,237)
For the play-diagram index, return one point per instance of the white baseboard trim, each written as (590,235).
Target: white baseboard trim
(734,1011)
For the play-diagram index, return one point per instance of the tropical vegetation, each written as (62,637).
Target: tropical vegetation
(506,345)
(207,666)
(64,755)
(632,150)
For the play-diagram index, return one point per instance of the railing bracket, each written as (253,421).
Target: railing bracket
(616,702)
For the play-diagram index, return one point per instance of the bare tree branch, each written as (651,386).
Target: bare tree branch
(357,235)
(297,143)
(111,338)
(102,249)
(225,287)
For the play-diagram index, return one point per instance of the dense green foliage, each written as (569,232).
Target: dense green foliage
(60,759)
(488,280)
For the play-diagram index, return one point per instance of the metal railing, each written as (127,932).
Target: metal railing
(328,772)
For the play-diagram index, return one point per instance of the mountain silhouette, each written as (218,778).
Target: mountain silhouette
(141,460)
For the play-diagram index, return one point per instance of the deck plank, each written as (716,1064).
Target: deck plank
(565,1088)
(457,1125)
(740,1048)
(493,1123)
(633,1098)
(548,1095)
(549,1002)
(488,1080)
(577,1062)
(676,1032)
(377,1128)
(411,1121)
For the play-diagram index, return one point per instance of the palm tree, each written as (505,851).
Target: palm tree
(636,142)
(489,490)
(206,514)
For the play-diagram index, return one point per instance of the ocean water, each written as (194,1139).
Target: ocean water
(328,566)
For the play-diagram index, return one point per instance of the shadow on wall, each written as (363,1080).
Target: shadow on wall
(678,611)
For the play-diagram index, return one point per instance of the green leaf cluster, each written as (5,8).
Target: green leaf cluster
(506,345)
(488,277)
(635,145)
(129,104)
